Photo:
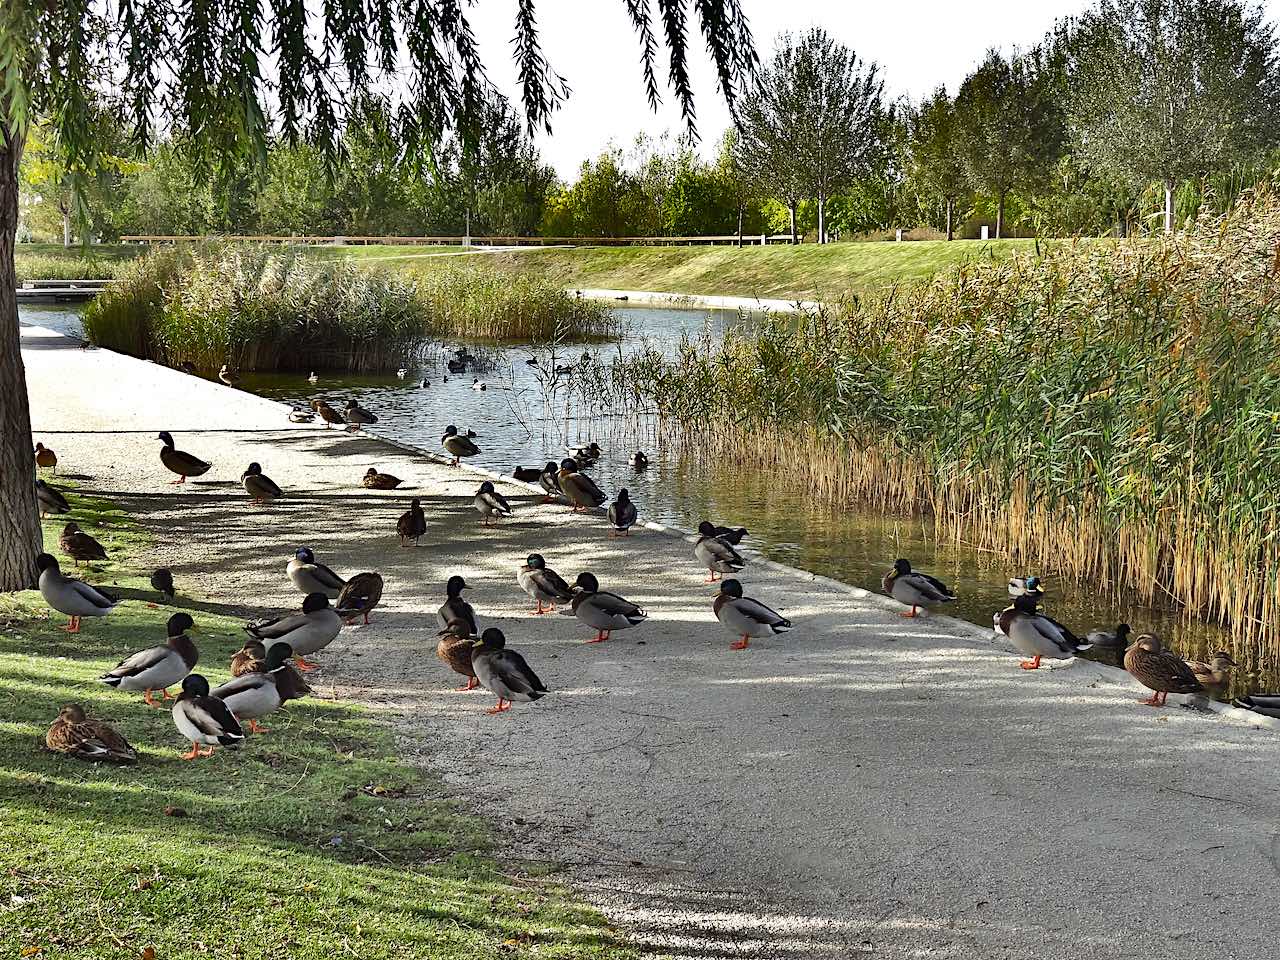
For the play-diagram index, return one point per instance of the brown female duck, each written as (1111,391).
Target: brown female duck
(1214,675)
(76,735)
(78,545)
(455,647)
(374,480)
(1159,670)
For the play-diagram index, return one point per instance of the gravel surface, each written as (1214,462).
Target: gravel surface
(862,786)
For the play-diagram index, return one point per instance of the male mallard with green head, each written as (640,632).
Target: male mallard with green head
(1037,636)
(504,672)
(254,695)
(179,461)
(606,612)
(307,632)
(261,488)
(458,445)
(915,589)
(157,668)
(68,595)
(204,719)
(311,576)
(542,584)
(745,617)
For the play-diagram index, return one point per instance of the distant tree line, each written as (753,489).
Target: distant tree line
(1130,117)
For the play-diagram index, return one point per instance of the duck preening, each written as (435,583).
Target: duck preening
(362,593)
(455,645)
(549,480)
(162,583)
(258,693)
(179,461)
(310,576)
(249,658)
(715,554)
(1159,670)
(74,734)
(204,719)
(307,632)
(68,595)
(915,589)
(578,487)
(622,514)
(503,672)
(261,488)
(50,499)
(412,523)
(745,617)
(298,415)
(730,535)
(457,445)
(157,668)
(1037,636)
(379,481)
(490,503)
(606,612)
(79,546)
(543,585)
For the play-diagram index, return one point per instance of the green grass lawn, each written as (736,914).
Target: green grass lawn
(311,841)
(52,261)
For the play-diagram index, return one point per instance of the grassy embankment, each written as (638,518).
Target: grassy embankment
(311,841)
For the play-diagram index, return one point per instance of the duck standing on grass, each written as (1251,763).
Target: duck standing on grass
(606,612)
(578,487)
(357,416)
(455,645)
(179,461)
(503,672)
(543,584)
(358,598)
(162,583)
(204,719)
(329,415)
(374,480)
(491,503)
(157,668)
(746,617)
(261,488)
(1037,636)
(915,589)
(457,445)
(68,595)
(622,514)
(50,499)
(307,632)
(46,459)
(412,523)
(715,554)
(549,480)
(454,607)
(1159,670)
(1214,675)
(252,696)
(310,576)
(79,546)
(74,734)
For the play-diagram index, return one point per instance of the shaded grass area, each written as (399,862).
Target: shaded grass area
(50,261)
(310,841)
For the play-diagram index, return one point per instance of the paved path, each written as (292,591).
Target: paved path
(865,786)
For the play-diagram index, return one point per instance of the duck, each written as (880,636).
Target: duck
(68,595)
(606,612)
(402,373)
(425,384)
(585,456)
(745,617)
(412,523)
(457,445)
(186,366)
(160,667)
(259,693)
(298,415)
(527,474)
(915,589)
(179,461)
(490,503)
(1263,704)
(75,735)
(50,499)
(454,646)
(503,672)
(549,480)
(310,576)
(639,461)
(204,719)
(1018,586)
(78,545)
(1159,670)
(543,584)
(313,378)
(1215,674)
(715,554)
(249,658)
(479,385)
(1108,646)
(46,459)
(1037,636)
(733,536)
(374,480)
(307,632)
(622,514)
(261,488)
(162,583)
(359,597)
(357,415)
(454,607)
(456,365)
(228,376)
(578,487)
(329,415)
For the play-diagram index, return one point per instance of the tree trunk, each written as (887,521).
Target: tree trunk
(20,538)
(66,227)
(822,219)
(791,208)
(999,215)
(1168,208)
(950,206)
(739,225)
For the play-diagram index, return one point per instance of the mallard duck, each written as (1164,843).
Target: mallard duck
(313,378)
(162,583)
(74,734)
(490,503)
(357,415)
(578,487)
(186,366)
(50,499)
(157,668)
(402,373)
(1266,704)
(329,415)
(503,672)
(585,456)
(312,577)
(527,474)
(733,536)
(543,584)
(715,554)
(622,514)
(46,459)
(261,488)
(1033,586)
(454,646)
(1159,670)
(549,480)
(456,366)
(249,658)
(256,694)
(639,461)
(1214,675)
(457,445)
(1037,636)
(228,376)
(297,415)
(79,546)
(606,612)
(379,481)
(358,598)
(412,523)
(746,617)
(204,719)
(454,607)
(1108,646)
(478,385)
(68,595)
(915,589)
(307,632)
(179,461)
(425,384)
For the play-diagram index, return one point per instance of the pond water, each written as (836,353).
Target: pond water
(516,427)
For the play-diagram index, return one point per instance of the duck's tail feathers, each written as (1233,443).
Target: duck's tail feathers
(231,740)
(637,618)
(110,680)
(782,626)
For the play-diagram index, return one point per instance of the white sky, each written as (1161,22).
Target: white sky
(919,43)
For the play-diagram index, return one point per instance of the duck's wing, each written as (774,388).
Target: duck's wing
(717,549)
(550,582)
(516,673)
(757,611)
(613,604)
(362,592)
(139,662)
(212,717)
(327,577)
(277,628)
(931,587)
(99,598)
(246,681)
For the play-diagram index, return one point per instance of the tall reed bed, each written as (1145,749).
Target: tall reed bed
(1106,411)
(264,308)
